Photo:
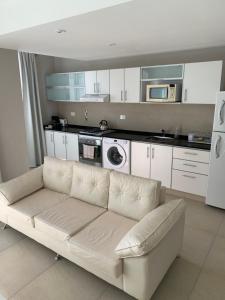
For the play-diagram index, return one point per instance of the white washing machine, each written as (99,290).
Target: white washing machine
(116,154)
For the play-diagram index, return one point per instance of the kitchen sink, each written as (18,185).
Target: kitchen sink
(163,137)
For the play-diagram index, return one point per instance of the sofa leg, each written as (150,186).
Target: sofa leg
(57,257)
(4,226)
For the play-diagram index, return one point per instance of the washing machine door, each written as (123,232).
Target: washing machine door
(116,156)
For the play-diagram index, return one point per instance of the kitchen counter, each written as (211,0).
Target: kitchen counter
(147,137)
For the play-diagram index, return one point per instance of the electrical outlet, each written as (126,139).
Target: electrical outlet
(73,114)
(122,117)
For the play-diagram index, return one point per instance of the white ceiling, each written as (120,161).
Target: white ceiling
(16,15)
(137,27)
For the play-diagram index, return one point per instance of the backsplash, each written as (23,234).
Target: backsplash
(142,117)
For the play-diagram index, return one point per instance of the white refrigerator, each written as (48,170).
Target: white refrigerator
(216,185)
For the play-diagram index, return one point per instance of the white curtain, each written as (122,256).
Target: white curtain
(32,108)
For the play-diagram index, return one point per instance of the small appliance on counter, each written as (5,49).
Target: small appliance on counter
(63,122)
(103,125)
(54,124)
(201,139)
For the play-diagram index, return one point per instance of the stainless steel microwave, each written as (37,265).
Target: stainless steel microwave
(163,92)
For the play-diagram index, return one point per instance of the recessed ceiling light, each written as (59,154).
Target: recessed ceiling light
(60,30)
(112,44)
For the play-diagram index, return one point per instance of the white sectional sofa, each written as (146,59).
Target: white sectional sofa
(113,225)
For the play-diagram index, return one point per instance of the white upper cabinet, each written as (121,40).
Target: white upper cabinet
(97,82)
(140,159)
(125,85)
(60,145)
(49,138)
(132,85)
(90,82)
(201,82)
(116,85)
(161,164)
(102,84)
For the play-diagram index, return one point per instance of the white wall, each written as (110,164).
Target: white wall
(13,148)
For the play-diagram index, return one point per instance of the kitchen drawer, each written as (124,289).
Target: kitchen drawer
(189,182)
(191,166)
(191,154)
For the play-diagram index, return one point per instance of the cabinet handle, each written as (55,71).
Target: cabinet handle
(65,140)
(189,176)
(217,147)
(221,113)
(121,96)
(52,138)
(148,152)
(185,94)
(191,153)
(125,96)
(190,165)
(94,88)
(153,153)
(98,87)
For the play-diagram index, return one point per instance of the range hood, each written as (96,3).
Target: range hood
(95,98)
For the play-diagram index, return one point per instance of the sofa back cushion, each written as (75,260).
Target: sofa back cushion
(21,186)
(132,196)
(57,174)
(90,184)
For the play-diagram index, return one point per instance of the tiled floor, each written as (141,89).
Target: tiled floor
(28,270)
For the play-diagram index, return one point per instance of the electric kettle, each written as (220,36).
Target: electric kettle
(103,125)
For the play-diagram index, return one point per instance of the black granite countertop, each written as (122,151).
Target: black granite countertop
(147,137)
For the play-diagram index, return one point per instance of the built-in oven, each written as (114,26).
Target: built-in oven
(90,150)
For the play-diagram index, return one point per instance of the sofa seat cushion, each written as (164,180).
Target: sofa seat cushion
(67,218)
(97,241)
(25,209)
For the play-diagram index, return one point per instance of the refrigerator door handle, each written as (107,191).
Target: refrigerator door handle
(217,146)
(221,113)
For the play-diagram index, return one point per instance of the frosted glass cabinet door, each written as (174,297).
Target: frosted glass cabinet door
(201,82)
(58,79)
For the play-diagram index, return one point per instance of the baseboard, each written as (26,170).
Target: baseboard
(185,195)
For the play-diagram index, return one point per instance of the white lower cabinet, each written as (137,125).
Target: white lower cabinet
(62,145)
(161,164)
(190,170)
(140,159)
(72,148)
(50,146)
(189,182)
(152,161)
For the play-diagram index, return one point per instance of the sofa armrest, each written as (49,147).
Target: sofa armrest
(22,186)
(148,232)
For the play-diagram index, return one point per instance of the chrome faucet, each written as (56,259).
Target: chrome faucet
(163,132)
